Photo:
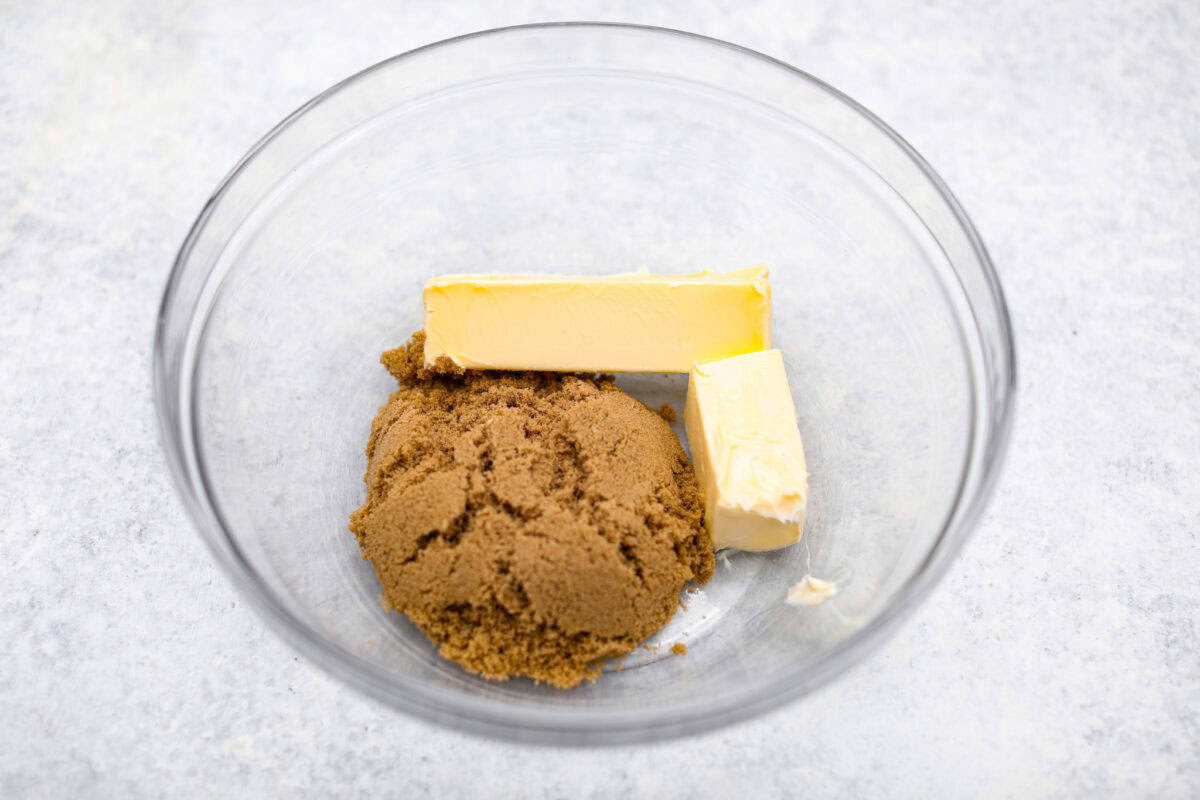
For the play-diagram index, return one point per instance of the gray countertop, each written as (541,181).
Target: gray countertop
(1061,656)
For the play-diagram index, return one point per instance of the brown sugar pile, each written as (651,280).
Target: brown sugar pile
(531,524)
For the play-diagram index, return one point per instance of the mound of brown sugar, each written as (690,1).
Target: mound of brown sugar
(529,523)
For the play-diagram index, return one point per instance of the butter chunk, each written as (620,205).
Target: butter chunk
(746,448)
(810,591)
(618,323)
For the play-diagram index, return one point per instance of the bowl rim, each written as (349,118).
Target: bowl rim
(550,726)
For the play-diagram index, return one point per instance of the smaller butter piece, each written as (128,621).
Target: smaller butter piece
(810,591)
(747,451)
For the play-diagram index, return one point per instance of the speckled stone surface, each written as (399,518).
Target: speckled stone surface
(1061,657)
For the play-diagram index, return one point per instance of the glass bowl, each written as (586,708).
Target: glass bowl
(586,148)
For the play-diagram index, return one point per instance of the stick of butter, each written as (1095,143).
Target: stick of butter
(747,452)
(617,323)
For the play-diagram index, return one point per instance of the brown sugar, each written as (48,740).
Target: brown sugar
(530,524)
(679,649)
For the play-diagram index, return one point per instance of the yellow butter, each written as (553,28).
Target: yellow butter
(617,323)
(810,591)
(746,448)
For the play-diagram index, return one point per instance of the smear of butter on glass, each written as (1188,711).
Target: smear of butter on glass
(810,591)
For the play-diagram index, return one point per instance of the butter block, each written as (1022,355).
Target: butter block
(746,448)
(618,323)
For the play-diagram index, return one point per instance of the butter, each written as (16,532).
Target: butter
(810,591)
(617,323)
(747,451)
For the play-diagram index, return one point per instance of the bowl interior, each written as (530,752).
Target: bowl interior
(561,162)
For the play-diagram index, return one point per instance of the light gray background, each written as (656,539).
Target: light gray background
(1060,657)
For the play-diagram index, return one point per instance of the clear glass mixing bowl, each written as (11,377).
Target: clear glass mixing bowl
(585,148)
